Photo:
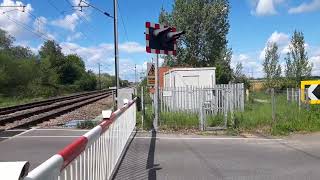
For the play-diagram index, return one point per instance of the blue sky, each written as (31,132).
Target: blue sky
(90,34)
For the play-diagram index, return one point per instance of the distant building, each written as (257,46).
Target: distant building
(257,85)
(196,77)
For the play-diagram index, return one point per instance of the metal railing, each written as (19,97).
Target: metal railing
(218,99)
(94,155)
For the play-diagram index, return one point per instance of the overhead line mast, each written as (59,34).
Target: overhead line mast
(116,50)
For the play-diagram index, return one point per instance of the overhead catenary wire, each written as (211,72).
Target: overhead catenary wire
(27,27)
(96,8)
(63,13)
(82,17)
(123,25)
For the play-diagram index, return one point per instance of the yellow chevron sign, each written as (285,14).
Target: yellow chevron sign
(313,91)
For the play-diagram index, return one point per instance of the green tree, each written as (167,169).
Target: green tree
(238,73)
(50,49)
(239,76)
(20,52)
(107,80)
(72,69)
(205,43)
(5,40)
(271,66)
(87,82)
(16,74)
(298,66)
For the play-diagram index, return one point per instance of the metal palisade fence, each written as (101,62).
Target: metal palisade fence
(205,102)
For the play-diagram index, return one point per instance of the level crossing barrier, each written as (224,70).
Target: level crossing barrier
(93,156)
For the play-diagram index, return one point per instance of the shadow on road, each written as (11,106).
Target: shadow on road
(138,161)
(152,175)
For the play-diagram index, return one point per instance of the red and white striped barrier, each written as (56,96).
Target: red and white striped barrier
(94,155)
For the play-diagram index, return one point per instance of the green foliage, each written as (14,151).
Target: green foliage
(108,81)
(16,74)
(12,101)
(258,116)
(72,70)
(24,75)
(148,118)
(298,66)
(205,43)
(179,120)
(5,40)
(240,77)
(88,82)
(271,66)
(86,124)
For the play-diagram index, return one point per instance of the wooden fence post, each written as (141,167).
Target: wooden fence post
(273,104)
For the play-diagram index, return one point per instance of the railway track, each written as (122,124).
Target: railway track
(26,115)
(12,109)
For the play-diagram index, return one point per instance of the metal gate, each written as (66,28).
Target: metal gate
(211,104)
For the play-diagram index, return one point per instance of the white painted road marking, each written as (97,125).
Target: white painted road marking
(209,138)
(43,137)
(62,130)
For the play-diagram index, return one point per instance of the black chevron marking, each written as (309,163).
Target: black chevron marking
(316,92)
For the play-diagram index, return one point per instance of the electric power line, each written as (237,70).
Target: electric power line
(123,25)
(32,30)
(28,28)
(96,8)
(63,13)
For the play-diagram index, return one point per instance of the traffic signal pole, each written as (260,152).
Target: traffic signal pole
(156,97)
(116,52)
(160,39)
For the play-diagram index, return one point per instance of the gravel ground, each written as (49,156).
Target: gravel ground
(87,112)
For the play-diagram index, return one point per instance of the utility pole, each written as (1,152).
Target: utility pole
(135,74)
(99,77)
(156,97)
(116,52)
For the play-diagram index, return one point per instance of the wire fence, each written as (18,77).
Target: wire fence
(278,112)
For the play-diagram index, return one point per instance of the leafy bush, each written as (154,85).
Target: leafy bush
(87,124)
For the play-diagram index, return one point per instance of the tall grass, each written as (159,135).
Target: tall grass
(179,120)
(288,117)
(12,101)
(147,120)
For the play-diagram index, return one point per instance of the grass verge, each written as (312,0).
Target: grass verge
(288,117)
(13,101)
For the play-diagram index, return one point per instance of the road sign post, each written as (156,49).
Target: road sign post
(151,74)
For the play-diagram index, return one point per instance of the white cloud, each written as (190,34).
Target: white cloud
(76,2)
(39,24)
(279,38)
(74,36)
(131,47)
(69,22)
(12,18)
(282,40)
(251,67)
(305,7)
(285,49)
(265,7)
(315,60)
